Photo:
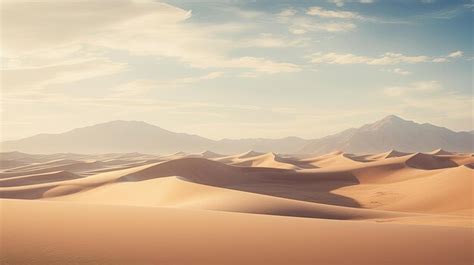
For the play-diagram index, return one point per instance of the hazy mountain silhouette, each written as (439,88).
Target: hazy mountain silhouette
(110,137)
(391,132)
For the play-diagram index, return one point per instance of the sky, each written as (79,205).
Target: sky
(234,68)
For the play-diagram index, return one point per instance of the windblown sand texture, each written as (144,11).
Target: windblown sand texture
(249,208)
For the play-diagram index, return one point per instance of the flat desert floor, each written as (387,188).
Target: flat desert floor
(250,208)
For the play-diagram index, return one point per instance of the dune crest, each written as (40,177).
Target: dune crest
(327,186)
(440,152)
(210,154)
(429,162)
(389,154)
(259,191)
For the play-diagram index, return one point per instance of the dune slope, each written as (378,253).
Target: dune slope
(153,235)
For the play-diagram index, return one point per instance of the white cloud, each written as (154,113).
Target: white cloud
(289,12)
(440,60)
(334,27)
(41,77)
(26,27)
(348,58)
(140,87)
(298,31)
(302,26)
(267,40)
(263,65)
(429,100)
(324,13)
(398,71)
(422,86)
(456,54)
(401,71)
(341,3)
(388,58)
(146,28)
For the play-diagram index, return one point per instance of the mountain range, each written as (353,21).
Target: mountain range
(391,132)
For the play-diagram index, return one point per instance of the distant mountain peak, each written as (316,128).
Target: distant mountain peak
(392,119)
(392,132)
(388,121)
(124,122)
(118,124)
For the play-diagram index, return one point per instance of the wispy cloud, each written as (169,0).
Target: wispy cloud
(388,58)
(289,12)
(447,13)
(263,65)
(140,87)
(341,3)
(301,24)
(42,77)
(421,86)
(321,12)
(268,40)
(398,71)
(456,54)
(139,27)
(430,100)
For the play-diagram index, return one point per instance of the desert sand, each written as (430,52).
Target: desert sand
(249,208)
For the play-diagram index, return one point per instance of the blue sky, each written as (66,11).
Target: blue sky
(235,69)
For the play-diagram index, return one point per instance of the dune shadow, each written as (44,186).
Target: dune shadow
(309,187)
(284,183)
(316,186)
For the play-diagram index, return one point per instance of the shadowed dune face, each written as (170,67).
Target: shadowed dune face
(427,161)
(306,186)
(279,185)
(145,209)
(38,179)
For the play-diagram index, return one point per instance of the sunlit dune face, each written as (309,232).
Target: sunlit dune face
(263,200)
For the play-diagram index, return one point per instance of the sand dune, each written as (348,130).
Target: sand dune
(269,160)
(427,161)
(179,192)
(238,157)
(429,194)
(264,190)
(38,178)
(210,154)
(271,175)
(425,193)
(331,160)
(7,163)
(389,154)
(440,152)
(46,165)
(154,235)
(71,166)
